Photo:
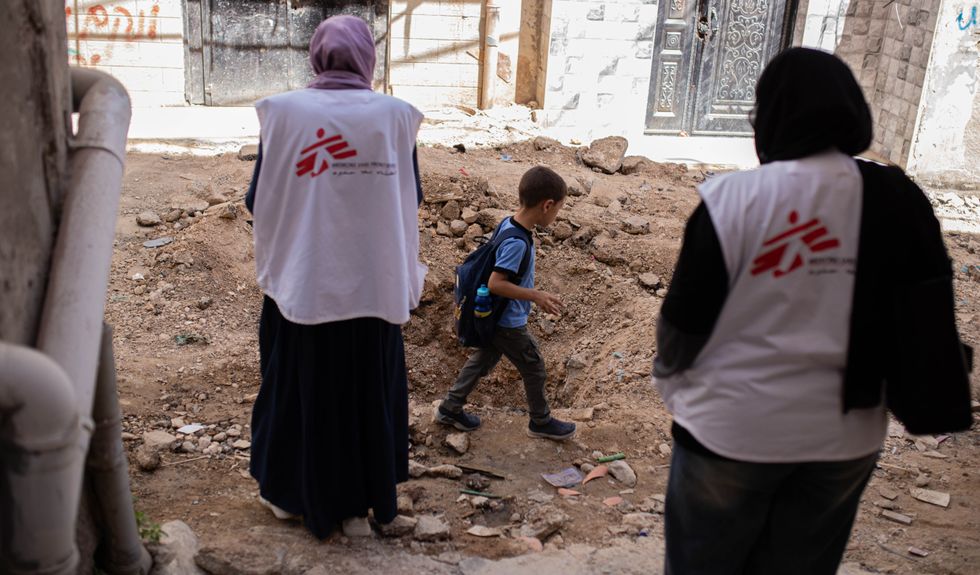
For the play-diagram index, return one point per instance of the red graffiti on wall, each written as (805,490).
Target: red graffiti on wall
(113,27)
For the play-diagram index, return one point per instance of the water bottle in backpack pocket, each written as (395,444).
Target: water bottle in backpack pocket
(476,310)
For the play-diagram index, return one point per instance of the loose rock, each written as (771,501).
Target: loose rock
(447,471)
(606,154)
(158,440)
(416,469)
(469,215)
(399,526)
(490,218)
(242,444)
(474,231)
(459,442)
(634,164)
(636,225)
(640,520)
(431,528)
(650,281)
(458,227)
(476,482)
(562,231)
(543,521)
(148,219)
(606,250)
(405,505)
(450,211)
(148,459)
(175,553)
(442,229)
(622,472)
(542,143)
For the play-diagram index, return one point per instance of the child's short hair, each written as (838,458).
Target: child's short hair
(540,184)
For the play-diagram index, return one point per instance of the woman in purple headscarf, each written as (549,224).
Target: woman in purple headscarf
(334,200)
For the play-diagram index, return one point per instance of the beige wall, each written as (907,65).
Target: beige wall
(140,42)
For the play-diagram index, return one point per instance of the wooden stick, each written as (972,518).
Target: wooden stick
(185,460)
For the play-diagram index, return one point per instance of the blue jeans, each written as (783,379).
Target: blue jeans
(731,517)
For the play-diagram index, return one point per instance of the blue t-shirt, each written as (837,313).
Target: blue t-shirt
(509,256)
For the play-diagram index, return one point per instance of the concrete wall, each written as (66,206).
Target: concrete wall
(599,63)
(887,44)
(33,157)
(140,42)
(946,150)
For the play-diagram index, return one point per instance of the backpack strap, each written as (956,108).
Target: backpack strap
(499,237)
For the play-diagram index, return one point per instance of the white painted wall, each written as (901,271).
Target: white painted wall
(824,24)
(946,146)
(140,42)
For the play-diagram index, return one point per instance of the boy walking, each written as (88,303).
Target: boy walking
(542,193)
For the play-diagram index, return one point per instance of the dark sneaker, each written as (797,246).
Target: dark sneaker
(554,429)
(462,421)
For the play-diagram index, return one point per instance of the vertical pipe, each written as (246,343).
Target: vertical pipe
(109,475)
(41,449)
(488,54)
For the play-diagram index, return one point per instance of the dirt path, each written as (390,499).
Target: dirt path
(187,354)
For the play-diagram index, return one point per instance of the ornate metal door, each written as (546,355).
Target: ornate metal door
(708,58)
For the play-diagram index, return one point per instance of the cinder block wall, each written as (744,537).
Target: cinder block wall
(887,44)
(140,42)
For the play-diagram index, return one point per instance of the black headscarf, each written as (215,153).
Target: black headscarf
(808,101)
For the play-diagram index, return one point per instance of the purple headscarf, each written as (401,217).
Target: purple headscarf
(342,54)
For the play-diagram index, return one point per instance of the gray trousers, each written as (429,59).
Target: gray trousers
(522,351)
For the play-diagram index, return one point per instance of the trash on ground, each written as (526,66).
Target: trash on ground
(612,501)
(918,552)
(568,492)
(889,494)
(158,243)
(896,517)
(479,493)
(190,429)
(564,478)
(613,457)
(600,471)
(484,531)
(189,338)
(470,468)
(929,496)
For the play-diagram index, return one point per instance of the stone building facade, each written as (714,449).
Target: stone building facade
(887,44)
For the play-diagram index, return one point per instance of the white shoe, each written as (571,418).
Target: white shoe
(279,512)
(356,527)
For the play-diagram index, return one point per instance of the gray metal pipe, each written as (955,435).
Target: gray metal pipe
(108,472)
(71,321)
(71,335)
(42,449)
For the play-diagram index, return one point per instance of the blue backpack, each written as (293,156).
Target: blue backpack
(475,271)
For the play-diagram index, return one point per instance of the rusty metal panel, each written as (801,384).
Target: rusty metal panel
(255,48)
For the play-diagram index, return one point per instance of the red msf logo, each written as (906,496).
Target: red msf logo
(813,235)
(335,146)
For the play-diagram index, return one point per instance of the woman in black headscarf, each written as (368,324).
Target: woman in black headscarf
(777,338)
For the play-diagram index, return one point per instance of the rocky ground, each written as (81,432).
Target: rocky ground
(185,307)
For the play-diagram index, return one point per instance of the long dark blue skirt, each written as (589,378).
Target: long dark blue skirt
(330,424)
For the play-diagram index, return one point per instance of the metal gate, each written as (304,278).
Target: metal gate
(238,51)
(708,57)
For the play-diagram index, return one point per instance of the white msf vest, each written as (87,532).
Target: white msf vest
(336,211)
(767,387)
